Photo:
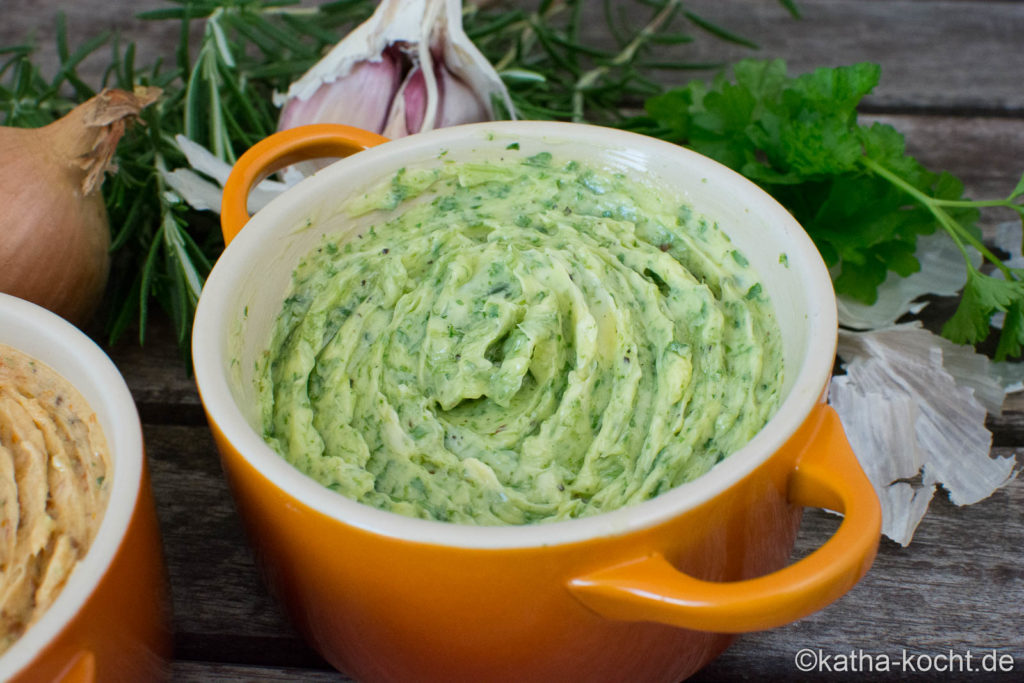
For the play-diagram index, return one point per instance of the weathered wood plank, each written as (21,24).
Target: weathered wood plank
(963,562)
(34,21)
(158,374)
(204,672)
(212,571)
(222,610)
(943,54)
(950,55)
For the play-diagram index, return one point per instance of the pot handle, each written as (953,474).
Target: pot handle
(827,475)
(281,149)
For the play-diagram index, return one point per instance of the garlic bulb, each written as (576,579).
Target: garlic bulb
(409,68)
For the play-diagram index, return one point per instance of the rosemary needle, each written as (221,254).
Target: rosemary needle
(218,93)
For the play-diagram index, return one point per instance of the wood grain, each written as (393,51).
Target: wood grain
(953,56)
(957,586)
(161,378)
(205,672)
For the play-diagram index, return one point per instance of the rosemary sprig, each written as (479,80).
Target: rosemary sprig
(218,93)
(554,73)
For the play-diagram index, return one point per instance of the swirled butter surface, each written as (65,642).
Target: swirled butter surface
(55,471)
(516,341)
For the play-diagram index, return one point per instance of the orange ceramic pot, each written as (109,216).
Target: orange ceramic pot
(111,620)
(650,592)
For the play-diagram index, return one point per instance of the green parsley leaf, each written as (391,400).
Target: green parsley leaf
(1019,190)
(1011,340)
(983,296)
(860,279)
(862,199)
(673,110)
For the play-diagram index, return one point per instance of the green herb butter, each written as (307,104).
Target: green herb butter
(518,341)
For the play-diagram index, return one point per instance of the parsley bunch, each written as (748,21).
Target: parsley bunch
(860,196)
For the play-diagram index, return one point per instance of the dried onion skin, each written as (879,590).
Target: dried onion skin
(54,229)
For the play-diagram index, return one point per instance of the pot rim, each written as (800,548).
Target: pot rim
(211,358)
(54,341)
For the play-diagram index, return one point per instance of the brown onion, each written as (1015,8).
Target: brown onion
(54,230)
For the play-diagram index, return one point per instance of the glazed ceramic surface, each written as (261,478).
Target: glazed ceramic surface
(647,592)
(110,621)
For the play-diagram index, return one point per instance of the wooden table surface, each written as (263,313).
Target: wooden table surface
(952,81)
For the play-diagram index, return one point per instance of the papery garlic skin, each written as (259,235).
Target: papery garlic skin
(943,272)
(913,406)
(456,103)
(444,79)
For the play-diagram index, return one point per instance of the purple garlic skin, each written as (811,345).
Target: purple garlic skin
(362,98)
(407,69)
